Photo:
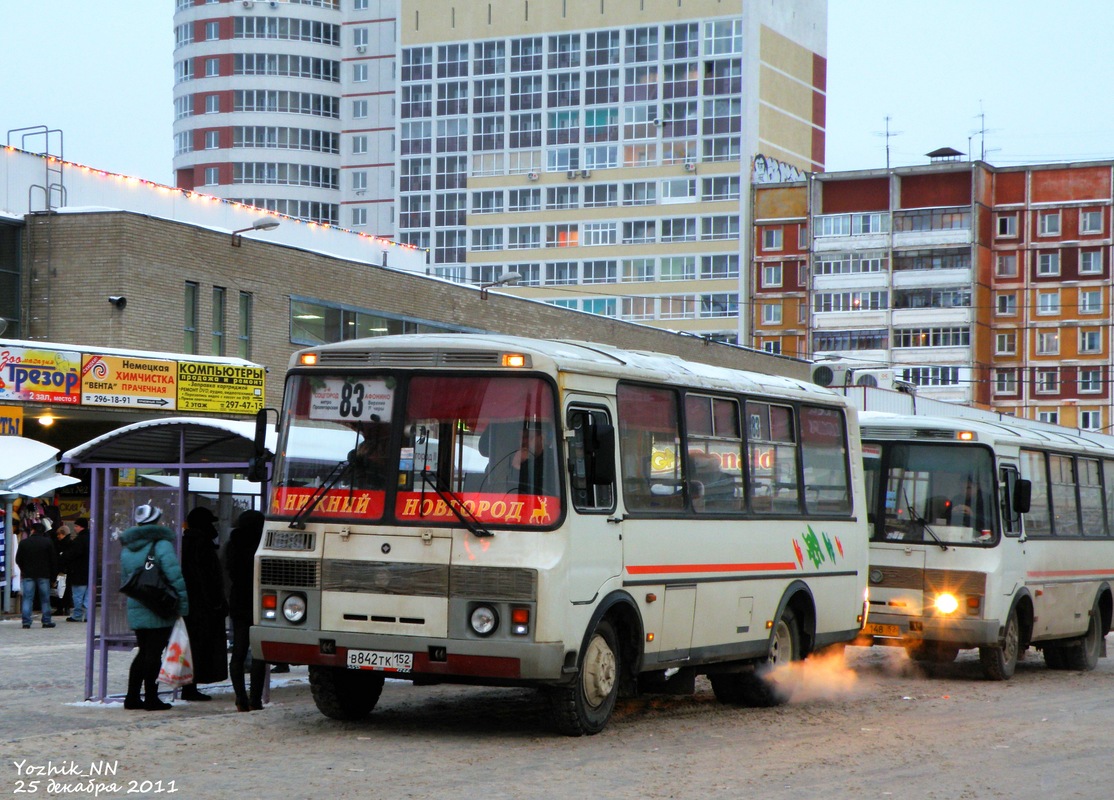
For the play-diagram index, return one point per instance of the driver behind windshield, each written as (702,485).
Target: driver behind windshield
(527,468)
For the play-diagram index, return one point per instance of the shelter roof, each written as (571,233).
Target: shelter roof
(185,440)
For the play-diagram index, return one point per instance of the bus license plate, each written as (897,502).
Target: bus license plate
(878,629)
(380,660)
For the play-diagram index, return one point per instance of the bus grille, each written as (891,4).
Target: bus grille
(494,583)
(426,580)
(300,572)
(290,540)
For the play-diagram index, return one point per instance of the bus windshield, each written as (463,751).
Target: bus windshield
(931,493)
(392,448)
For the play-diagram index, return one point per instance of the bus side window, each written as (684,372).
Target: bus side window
(652,466)
(1011,519)
(591,460)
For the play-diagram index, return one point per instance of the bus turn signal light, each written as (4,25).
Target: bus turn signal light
(514,360)
(269,601)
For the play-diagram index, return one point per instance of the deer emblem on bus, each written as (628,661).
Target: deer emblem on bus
(540,515)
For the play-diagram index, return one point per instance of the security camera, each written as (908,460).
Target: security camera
(118,300)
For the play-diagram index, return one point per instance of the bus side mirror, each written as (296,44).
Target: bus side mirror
(257,464)
(603,454)
(1022,495)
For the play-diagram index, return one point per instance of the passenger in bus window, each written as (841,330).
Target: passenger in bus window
(526,468)
(369,460)
(968,508)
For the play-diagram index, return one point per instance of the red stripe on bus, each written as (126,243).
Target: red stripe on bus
(673,568)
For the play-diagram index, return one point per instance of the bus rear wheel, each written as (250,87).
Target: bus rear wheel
(345,694)
(585,705)
(999,663)
(772,682)
(1084,656)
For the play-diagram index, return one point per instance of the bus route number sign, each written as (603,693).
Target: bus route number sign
(342,400)
(380,660)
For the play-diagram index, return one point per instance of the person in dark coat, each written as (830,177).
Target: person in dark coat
(239,562)
(60,533)
(38,565)
(152,632)
(77,568)
(208,608)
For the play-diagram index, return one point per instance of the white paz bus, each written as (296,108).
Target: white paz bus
(569,516)
(989,533)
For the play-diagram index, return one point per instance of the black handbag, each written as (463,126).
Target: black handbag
(150,587)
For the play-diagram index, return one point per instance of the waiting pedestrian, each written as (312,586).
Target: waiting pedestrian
(77,568)
(239,562)
(62,597)
(208,607)
(152,632)
(38,565)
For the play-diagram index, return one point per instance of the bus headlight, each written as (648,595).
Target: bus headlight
(946,603)
(294,608)
(484,620)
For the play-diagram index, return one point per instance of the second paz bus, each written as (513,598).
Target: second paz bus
(574,517)
(987,532)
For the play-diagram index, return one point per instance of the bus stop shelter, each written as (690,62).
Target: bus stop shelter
(200,459)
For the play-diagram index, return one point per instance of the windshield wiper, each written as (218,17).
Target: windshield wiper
(455,504)
(915,517)
(331,480)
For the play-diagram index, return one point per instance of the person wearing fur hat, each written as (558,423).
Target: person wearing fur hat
(208,607)
(152,632)
(38,564)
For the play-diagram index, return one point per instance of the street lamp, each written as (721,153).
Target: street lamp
(265,224)
(506,279)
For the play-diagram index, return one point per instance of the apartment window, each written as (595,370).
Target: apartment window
(1090,301)
(1048,380)
(1048,223)
(640,193)
(561,273)
(1089,381)
(359,109)
(1090,420)
(771,239)
(772,346)
(525,200)
(212,67)
(359,37)
(212,140)
(189,327)
(601,195)
(1090,222)
(1090,341)
(359,217)
(524,237)
(638,270)
(1007,225)
(359,5)
(771,314)
(359,73)
(1049,417)
(1048,302)
(720,304)
(678,268)
(1007,265)
(487,239)
(599,233)
(1005,344)
(1005,381)
(1048,343)
(558,197)
(217,344)
(771,275)
(639,231)
(1090,262)
(359,145)
(599,272)
(1006,304)
(719,267)
(721,227)
(1048,264)
(243,339)
(682,229)
(212,104)
(212,176)
(489,202)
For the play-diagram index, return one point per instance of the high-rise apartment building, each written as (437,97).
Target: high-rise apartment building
(979,284)
(601,149)
(289,105)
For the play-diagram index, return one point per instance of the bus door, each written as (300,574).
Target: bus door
(594,535)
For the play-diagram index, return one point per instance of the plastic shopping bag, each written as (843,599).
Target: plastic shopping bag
(177,661)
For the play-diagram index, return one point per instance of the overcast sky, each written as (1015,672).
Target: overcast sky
(1040,71)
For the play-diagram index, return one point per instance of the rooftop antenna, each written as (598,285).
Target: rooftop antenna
(981,133)
(889,135)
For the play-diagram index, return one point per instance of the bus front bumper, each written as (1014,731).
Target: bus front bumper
(899,629)
(435,659)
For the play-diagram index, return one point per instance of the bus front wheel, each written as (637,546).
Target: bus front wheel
(345,694)
(999,663)
(585,705)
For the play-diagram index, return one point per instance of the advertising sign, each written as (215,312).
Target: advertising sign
(35,375)
(220,388)
(126,382)
(11,420)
